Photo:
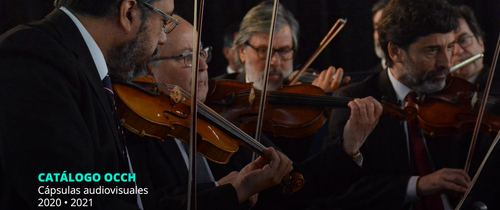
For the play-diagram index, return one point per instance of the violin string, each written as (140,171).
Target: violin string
(214,117)
(221,121)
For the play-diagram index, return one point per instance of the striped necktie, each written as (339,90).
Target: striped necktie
(110,93)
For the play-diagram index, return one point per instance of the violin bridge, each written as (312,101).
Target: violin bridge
(251,97)
(176,95)
(473,100)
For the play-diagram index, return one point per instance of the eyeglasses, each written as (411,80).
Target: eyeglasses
(465,41)
(205,54)
(170,24)
(284,53)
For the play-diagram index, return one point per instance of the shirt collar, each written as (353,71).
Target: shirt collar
(400,89)
(383,63)
(94,49)
(230,70)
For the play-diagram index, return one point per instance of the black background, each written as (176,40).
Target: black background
(352,49)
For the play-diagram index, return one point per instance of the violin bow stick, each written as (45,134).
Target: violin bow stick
(266,75)
(476,176)
(476,130)
(197,28)
(481,109)
(322,45)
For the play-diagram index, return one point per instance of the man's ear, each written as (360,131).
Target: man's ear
(394,52)
(241,53)
(480,41)
(129,15)
(226,53)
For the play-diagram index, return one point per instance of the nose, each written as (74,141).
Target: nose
(163,38)
(203,64)
(457,49)
(275,59)
(444,60)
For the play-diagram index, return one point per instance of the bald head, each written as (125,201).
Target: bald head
(172,68)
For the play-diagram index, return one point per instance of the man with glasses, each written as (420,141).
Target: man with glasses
(470,42)
(163,165)
(251,46)
(57,114)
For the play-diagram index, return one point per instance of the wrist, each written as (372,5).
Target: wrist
(351,152)
(240,192)
(356,154)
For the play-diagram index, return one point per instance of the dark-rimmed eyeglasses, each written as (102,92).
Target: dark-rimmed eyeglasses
(465,41)
(205,54)
(170,24)
(284,53)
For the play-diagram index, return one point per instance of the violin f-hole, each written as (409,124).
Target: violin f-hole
(175,113)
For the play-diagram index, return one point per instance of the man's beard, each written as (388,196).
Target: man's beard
(130,59)
(273,85)
(412,74)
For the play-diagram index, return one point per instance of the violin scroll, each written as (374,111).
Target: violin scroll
(292,183)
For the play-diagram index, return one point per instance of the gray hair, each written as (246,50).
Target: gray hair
(258,20)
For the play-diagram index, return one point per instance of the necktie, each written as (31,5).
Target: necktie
(420,163)
(110,93)
(203,174)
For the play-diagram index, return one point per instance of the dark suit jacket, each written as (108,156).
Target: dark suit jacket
(386,154)
(54,116)
(160,167)
(385,151)
(482,80)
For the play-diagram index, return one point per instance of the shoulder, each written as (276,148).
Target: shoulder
(360,89)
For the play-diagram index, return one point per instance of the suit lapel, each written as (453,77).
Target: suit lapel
(72,38)
(394,129)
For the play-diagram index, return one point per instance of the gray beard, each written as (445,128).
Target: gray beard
(426,86)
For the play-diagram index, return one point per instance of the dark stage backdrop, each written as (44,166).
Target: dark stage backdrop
(352,49)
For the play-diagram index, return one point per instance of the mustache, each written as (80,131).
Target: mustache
(442,71)
(273,70)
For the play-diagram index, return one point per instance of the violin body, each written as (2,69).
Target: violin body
(149,112)
(236,102)
(454,110)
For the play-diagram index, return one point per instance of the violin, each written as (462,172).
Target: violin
(239,103)
(159,110)
(454,110)
(292,111)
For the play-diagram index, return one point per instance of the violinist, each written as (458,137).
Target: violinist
(251,46)
(162,165)
(55,116)
(377,10)
(228,50)
(470,42)
(417,38)
(250,51)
